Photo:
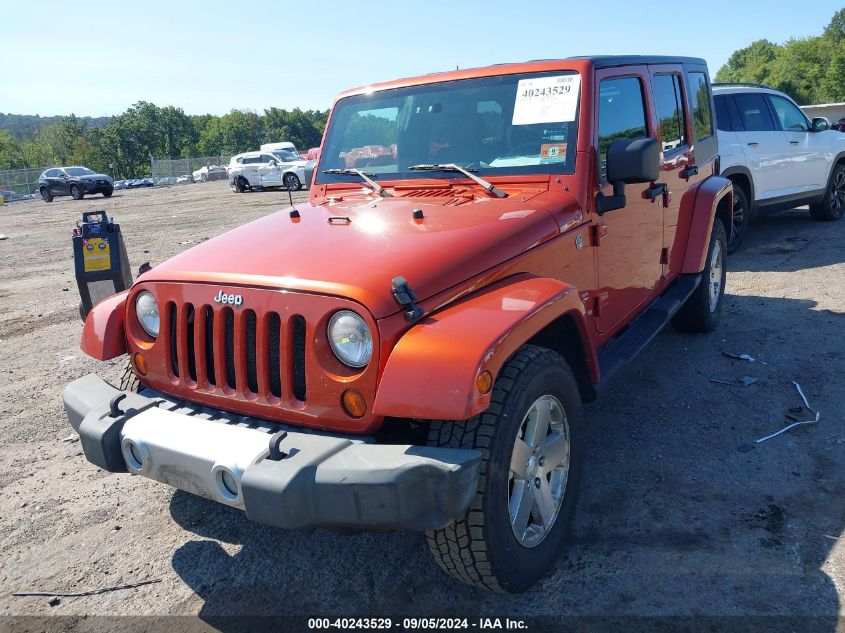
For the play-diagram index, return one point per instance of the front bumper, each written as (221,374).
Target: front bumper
(317,479)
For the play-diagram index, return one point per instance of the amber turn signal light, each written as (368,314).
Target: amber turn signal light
(140,362)
(354,403)
(484,382)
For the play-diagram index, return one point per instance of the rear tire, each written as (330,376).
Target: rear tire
(485,547)
(701,311)
(76,192)
(832,206)
(46,196)
(240,184)
(741,218)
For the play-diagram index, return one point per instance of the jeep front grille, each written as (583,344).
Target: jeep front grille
(251,354)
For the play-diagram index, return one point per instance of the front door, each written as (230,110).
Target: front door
(271,173)
(58,183)
(631,238)
(808,164)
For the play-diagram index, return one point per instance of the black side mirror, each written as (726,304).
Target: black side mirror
(629,162)
(820,124)
(310,167)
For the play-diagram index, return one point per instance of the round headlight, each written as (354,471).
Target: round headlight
(146,309)
(350,338)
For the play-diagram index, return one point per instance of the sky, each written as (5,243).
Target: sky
(213,56)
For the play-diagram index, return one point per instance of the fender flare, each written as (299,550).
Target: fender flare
(103,336)
(741,169)
(708,195)
(431,372)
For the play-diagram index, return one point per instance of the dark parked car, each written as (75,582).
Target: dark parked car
(73,181)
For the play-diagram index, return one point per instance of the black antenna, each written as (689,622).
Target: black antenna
(290,197)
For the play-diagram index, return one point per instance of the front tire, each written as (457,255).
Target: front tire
(291,182)
(107,193)
(531,438)
(46,196)
(701,311)
(76,192)
(831,208)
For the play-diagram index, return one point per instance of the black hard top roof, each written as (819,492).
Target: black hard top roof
(607,61)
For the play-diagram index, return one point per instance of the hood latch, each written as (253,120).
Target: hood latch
(406,297)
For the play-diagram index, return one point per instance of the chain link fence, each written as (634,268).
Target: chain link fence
(175,167)
(19,184)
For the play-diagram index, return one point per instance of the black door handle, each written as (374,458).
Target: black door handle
(753,144)
(793,142)
(657,190)
(690,171)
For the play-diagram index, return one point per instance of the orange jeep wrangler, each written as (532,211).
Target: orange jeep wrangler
(411,347)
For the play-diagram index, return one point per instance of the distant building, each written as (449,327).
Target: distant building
(831,111)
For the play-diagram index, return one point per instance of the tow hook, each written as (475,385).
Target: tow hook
(276,452)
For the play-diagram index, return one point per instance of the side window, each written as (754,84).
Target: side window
(266,158)
(670,111)
(791,118)
(699,101)
(754,113)
(251,160)
(723,114)
(621,114)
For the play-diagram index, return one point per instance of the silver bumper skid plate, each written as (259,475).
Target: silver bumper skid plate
(310,480)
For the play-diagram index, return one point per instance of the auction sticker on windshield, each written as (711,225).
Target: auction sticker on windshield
(546,99)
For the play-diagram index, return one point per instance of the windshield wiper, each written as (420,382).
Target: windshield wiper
(365,177)
(489,186)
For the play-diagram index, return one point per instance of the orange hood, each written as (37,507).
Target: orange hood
(358,259)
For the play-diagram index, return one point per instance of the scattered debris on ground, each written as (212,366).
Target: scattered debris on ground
(790,415)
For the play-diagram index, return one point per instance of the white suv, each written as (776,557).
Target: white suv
(775,156)
(262,170)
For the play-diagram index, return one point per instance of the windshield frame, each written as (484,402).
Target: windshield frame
(567,167)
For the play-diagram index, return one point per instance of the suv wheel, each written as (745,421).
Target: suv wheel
(531,440)
(46,196)
(240,184)
(833,204)
(739,220)
(107,193)
(76,192)
(291,182)
(701,311)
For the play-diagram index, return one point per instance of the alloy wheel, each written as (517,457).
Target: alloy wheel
(715,280)
(539,470)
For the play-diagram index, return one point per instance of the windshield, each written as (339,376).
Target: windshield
(509,124)
(285,156)
(79,171)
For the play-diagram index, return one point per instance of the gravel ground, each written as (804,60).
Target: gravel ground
(681,513)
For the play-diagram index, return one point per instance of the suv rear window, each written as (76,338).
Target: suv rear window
(621,114)
(754,112)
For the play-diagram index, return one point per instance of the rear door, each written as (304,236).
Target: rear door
(766,147)
(678,168)
(629,250)
(808,164)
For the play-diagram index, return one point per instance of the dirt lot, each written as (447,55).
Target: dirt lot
(681,512)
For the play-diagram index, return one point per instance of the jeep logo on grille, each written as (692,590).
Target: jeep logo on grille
(235,300)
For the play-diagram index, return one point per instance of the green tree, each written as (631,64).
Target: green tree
(11,156)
